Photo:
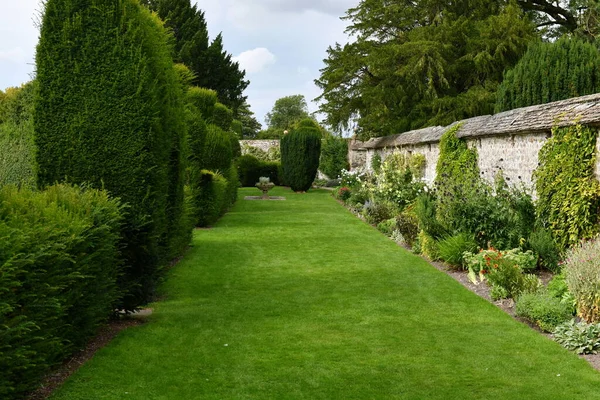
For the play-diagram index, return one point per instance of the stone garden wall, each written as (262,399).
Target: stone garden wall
(507,142)
(264,145)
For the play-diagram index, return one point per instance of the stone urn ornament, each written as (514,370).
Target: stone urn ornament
(264,184)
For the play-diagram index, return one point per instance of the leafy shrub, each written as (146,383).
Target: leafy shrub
(109,112)
(233,183)
(211,198)
(582,274)
(222,117)
(375,213)
(427,246)
(343,193)
(352,179)
(300,152)
(334,156)
(426,211)
(503,269)
(544,310)
(272,154)
(236,147)
(238,128)
(407,226)
(579,337)
(376,162)
(204,100)
(395,181)
(451,249)
(250,169)
(542,244)
(217,153)
(568,192)
(387,227)
(59,265)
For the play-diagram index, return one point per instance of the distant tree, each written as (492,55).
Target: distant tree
(286,112)
(213,67)
(250,125)
(550,72)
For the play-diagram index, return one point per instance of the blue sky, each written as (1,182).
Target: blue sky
(280,43)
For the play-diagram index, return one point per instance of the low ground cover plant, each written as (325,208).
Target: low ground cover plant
(543,309)
(580,337)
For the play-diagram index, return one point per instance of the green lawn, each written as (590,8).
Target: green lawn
(299,299)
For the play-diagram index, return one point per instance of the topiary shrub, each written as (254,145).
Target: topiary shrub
(210,199)
(334,156)
(233,183)
(204,100)
(222,117)
(217,153)
(59,265)
(236,147)
(109,112)
(300,152)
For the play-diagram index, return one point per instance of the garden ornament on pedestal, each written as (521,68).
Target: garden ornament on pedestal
(264,184)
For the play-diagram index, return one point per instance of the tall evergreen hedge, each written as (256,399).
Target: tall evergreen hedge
(217,153)
(204,100)
(334,156)
(549,72)
(109,112)
(222,116)
(300,152)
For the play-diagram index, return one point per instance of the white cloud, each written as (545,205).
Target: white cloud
(256,60)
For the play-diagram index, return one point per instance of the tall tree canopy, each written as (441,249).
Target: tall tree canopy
(287,111)
(419,63)
(212,66)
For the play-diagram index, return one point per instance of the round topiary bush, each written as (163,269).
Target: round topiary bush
(300,152)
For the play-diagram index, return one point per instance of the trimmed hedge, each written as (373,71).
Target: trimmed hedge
(222,117)
(59,264)
(334,156)
(204,100)
(251,168)
(300,152)
(109,112)
(217,153)
(210,197)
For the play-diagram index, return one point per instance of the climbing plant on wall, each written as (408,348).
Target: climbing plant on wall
(568,193)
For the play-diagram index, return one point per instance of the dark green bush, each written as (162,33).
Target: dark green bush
(251,168)
(551,71)
(425,211)
(217,154)
(238,128)
(236,147)
(204,100)
(222,117)
(300,152)
(451,249)
(233,183)
(375,213)
(542,244)
(59,264)
(109,112)
(542,309)
(334,156)
(211,197)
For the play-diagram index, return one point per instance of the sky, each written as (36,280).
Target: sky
(280,43)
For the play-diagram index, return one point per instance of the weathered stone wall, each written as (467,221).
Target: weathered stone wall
(264,145)
(507,142)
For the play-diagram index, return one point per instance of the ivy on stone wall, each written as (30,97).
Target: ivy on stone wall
(568,193)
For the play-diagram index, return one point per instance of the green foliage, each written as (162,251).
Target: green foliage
(376,162)
(452,248)
(568,192)
(582,274)
(237,128)
(395,181)
(17,151)
(213,68)
(407,225)
(300,152)
(217,154)
(222,117)
(542,244)
(210,198)
(579,337)
(109,112)
(542,309)
(286,112)
(334,156)
(236,147)
(420,63)
(250,126)
(251,168)
(426,211)
(233,183)
(551,71)
(59,264)
(376,212)
(427,246)
(272,154)
(387,226)
(205,101)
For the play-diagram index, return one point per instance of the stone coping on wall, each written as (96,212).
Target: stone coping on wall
(533,119)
